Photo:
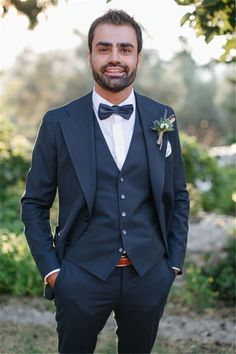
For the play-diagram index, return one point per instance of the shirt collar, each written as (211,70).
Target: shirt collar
(97,99)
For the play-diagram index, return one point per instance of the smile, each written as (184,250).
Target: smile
(114,72)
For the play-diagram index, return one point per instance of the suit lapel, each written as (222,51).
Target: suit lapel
(78,131)
(150,111)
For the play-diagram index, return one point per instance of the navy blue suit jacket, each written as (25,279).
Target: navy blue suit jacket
(64,160)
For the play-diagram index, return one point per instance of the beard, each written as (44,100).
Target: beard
(114,83)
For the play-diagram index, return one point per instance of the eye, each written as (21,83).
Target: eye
(103,50)
(125,50)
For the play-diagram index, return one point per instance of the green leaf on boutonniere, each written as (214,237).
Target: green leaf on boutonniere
(165,124)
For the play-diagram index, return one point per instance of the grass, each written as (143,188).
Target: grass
(32,339)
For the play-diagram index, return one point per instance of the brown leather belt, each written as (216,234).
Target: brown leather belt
(124,261)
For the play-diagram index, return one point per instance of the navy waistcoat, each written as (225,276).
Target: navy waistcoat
(124,216)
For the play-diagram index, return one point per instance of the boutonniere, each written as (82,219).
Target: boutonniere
(165,124)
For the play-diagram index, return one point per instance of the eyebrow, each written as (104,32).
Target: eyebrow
(108,44)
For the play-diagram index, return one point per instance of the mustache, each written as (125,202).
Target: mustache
(107,66)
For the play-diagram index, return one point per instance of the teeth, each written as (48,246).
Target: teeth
(115,71)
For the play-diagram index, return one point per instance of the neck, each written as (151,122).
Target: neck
(113,97)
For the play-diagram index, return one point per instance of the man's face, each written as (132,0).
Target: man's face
(114,57)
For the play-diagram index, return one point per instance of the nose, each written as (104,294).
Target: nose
(114,57)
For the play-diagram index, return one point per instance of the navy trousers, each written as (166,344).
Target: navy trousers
(84,303)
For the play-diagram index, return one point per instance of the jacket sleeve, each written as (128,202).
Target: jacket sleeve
(177,236)
(41,185)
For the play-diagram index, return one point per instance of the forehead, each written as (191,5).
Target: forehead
(115,34)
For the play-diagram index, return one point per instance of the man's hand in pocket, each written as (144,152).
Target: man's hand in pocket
(52,278)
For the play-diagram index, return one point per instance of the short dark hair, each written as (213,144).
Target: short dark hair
(117,18)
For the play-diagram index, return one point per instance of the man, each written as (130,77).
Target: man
(123,205)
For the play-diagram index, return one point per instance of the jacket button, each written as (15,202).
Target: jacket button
(122,196)
(123,214)
(124,232)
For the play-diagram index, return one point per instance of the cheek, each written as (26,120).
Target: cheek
(132,62)
(97,62)
(133,65)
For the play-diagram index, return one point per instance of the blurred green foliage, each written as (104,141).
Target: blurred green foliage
(220,197)
(18,274)
(223,274)
(202,168)
(212,283)
(10,209)
(198,163)
(14,156)
(14,162)
(197,290)
(195,197)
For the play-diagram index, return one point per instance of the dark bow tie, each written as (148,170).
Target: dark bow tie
(105,111)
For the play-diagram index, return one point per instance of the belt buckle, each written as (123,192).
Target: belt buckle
(125,259)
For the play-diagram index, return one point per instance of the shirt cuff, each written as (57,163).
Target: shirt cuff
(53,271)
(179,271)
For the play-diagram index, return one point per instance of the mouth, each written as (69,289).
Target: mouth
(114,71)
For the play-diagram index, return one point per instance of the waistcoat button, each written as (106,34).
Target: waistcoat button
(121,250)
(122,179)
(123,213)
(122,196)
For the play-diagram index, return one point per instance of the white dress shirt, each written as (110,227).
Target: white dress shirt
(116,130)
